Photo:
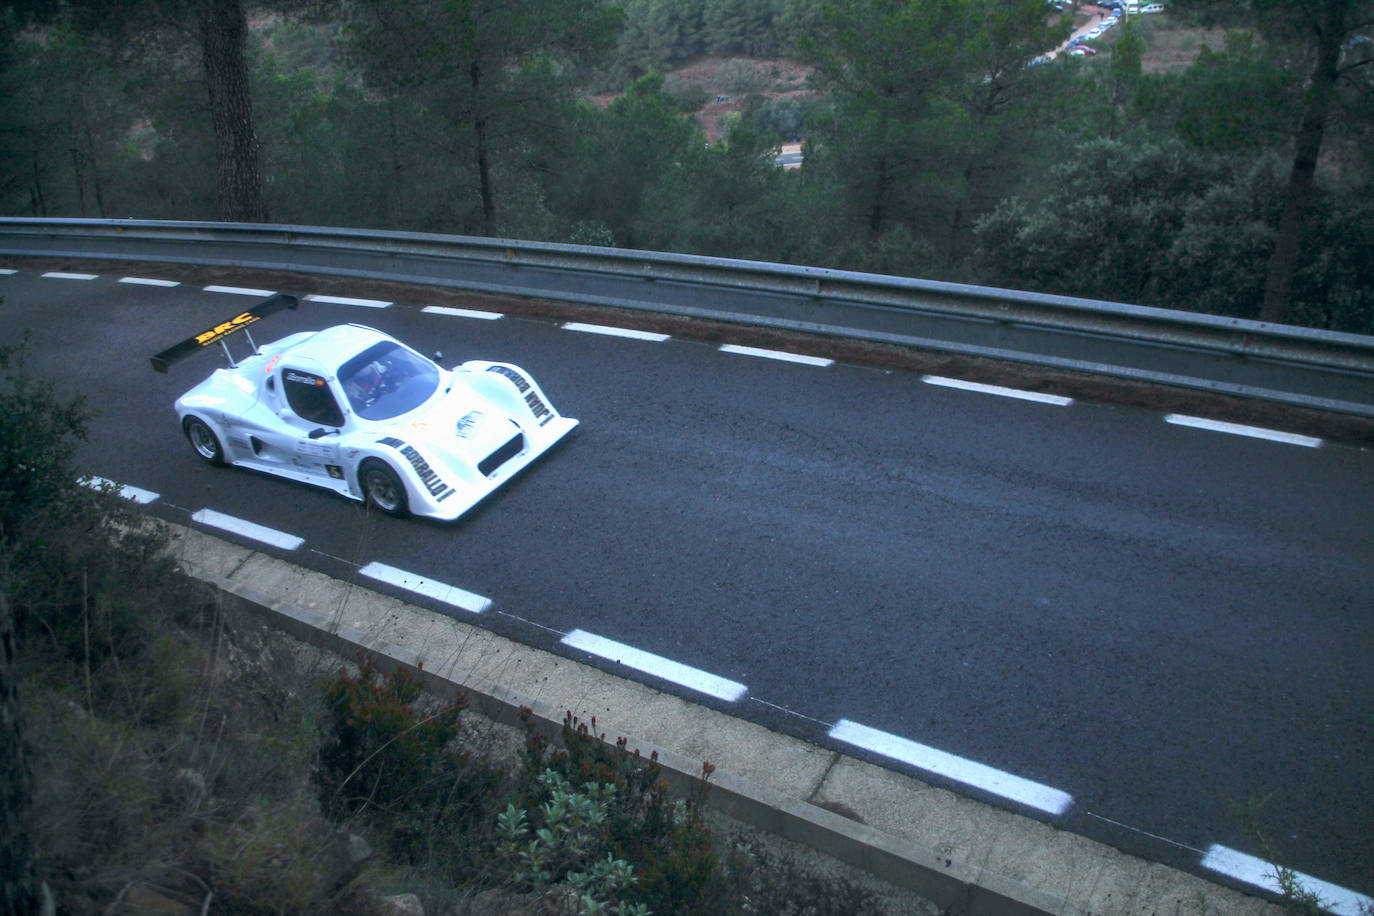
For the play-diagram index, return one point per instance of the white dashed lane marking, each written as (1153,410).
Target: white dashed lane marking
(998,390)
(247,529)
(614,332)
(59,275)
(240,291)
(345,300)
(462,313)
(430,588)
(147,281)
(137,494)
(1258,872)
(656,665)
(970,773)
(1237,429)
(778,355)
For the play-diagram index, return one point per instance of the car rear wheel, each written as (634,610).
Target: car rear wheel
(203,440)
(382,488)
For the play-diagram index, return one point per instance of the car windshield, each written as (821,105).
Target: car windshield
(387,380)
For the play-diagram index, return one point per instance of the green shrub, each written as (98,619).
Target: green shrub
(739,75)
(689,96)
(666,848)
(383,757)
(379,747)
(77,564)
(274,860)
(39,432)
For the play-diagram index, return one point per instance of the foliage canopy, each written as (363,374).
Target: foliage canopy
(926,124)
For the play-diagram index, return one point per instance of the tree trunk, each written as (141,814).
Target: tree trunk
(79,179)
(390,193)
(877,211)
(96,184)
(238,178)
(956,227)
(1283,263)
(18,885)
(36,198)
(479,129)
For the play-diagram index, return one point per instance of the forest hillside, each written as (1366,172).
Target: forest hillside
(1196,154)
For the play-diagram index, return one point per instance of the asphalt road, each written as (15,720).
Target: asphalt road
(1168,624)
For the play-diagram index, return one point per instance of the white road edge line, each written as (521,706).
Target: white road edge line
(431,588)
(148,281)
(1237,429)
(345,300)
(59,275)
(614,332)
(137,494)
(1054,399)
(1256,871)
(970,773)
(462,313)
(669,670)
(247,529)
(778,354)
(240,291)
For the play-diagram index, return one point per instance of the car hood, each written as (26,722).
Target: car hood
(455,425)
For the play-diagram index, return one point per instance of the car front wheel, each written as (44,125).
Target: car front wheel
(203,440)
(382,488)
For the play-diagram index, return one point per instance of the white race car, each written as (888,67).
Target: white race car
(358,412)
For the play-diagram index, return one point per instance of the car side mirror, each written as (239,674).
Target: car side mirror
(439,356)
(320,432)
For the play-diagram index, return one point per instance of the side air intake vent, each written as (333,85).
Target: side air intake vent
(489,464)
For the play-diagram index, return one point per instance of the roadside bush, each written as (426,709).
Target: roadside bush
(282,860)
(141,743)
(38,435)
(582,819)
(75,562)
(383,758)
(669,857)
(374,733)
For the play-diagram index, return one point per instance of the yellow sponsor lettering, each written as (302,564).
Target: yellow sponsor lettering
(227,327)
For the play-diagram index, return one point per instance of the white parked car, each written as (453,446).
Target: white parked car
(353,410)
(1152,8)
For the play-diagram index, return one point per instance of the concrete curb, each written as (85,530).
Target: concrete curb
(967,857)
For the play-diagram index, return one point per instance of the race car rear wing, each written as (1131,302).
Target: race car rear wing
(222,331)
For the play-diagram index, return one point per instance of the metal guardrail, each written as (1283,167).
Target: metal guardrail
(1300,366)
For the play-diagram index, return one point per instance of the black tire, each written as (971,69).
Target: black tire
(203,440)
(382,488)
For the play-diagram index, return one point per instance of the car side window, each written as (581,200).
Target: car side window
(310,398)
